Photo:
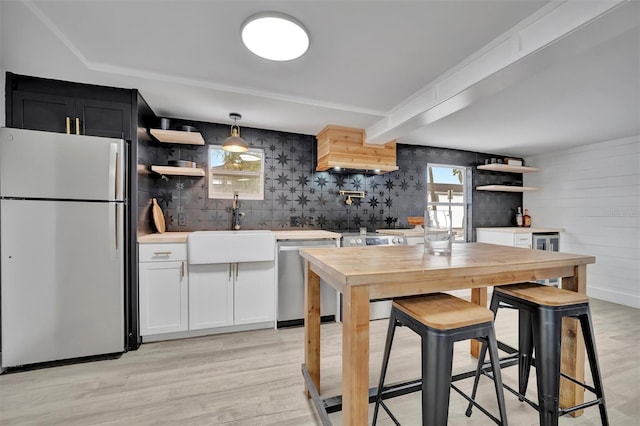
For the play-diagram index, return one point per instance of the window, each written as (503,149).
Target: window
(231,172)
(440,180)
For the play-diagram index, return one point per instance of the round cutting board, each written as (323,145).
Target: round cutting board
(158,217)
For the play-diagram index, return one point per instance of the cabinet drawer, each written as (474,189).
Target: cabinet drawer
(520,240)
(162,252)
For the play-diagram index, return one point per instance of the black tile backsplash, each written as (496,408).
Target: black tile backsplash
(297,195)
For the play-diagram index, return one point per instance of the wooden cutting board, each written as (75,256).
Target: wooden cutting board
(415,220)
(158,217)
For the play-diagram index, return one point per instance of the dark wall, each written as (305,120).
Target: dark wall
(295,192)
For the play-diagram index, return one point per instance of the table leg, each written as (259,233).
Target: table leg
(479,297)
(355,356)
(573,350)
(312,326)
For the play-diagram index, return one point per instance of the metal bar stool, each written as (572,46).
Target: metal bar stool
(441,320)
(541,309)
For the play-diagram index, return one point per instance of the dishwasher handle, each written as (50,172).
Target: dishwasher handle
(298,246)
(293,248)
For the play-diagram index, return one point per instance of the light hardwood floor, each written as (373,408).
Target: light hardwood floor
(253,378)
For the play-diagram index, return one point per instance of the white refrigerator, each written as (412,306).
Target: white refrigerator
(61,246)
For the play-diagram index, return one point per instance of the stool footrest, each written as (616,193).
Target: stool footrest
(475,404)
(384,405)
(584,385)
(582,406)
(486,371)
(513,391)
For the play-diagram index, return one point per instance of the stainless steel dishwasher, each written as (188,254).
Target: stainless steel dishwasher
(291,284)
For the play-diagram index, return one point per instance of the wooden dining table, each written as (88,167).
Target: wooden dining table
(378,272)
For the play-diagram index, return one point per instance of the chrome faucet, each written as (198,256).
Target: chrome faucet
(235,213)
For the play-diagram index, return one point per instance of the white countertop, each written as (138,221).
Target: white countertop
(181,237)
(521,230)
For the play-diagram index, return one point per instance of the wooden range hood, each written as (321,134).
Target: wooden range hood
(345,147)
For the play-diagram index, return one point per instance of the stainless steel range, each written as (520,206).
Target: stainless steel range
(371,239)
(378,308)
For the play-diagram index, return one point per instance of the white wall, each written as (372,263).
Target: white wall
(594,193)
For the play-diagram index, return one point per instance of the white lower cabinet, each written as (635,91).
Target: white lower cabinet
(503,238)
(254,292)
(210,296)
(178,297)
(531,238)
(163,281)
(227,294)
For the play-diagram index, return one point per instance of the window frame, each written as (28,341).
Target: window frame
(466,195)
(228,195)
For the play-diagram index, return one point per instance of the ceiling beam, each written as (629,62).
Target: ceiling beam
(510,58)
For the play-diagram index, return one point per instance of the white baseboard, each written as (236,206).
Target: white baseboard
(608,295)
(206,332)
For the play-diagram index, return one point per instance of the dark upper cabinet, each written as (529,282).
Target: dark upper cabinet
(64,107)
(102,118)
(38,111)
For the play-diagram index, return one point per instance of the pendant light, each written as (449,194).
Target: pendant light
(235,143)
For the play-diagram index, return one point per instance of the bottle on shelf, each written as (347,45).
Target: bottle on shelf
(519,217)
(526,219)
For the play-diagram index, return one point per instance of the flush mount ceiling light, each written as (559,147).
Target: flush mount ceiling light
(235,143)
(275,36)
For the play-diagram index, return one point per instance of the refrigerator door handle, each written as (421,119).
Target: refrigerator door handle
(117,226)
(114,172)
(117,183)
(113,229)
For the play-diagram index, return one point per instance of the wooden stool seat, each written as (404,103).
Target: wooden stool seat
(543,294)
(443,311)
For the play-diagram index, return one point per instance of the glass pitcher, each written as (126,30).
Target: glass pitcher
(438,229)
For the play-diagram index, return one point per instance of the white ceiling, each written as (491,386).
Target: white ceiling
(385,66)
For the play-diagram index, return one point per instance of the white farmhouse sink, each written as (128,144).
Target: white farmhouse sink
(206,247)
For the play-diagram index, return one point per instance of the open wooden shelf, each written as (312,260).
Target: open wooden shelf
(506,188)
(507,168)
(177,136)
(178,171)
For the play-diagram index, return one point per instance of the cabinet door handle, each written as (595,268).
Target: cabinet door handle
(77,126)
(230,271)
(237,269)
(161,253)
(68,125)
(182,270)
